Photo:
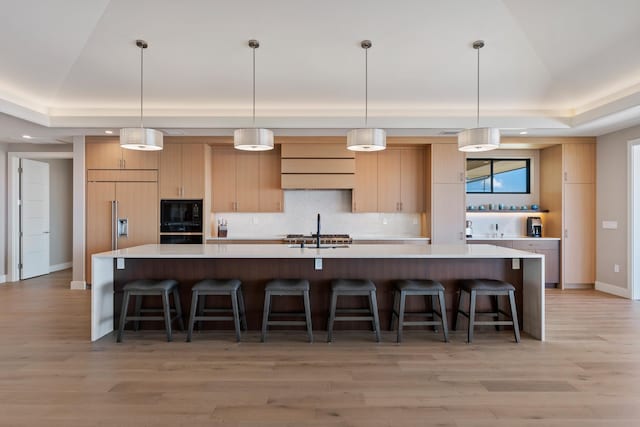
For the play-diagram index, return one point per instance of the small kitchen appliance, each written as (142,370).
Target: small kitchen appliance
(534,226)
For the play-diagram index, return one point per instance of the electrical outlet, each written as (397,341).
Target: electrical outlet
(254,220)
(515,263)
(120,263)
(616,268)
(384,221)
(318,263)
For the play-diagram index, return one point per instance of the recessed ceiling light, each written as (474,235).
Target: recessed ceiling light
(108,132)
(26,136)
(524,132)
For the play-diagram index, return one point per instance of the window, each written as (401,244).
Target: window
(498,176)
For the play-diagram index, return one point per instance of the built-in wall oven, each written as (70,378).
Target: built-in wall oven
(181,221)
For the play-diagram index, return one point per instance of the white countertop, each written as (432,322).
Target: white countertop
(284,251)
(512,238)
(356,237)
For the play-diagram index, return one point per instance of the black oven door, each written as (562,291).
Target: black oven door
(181,216)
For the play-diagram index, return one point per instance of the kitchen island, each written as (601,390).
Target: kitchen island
(255,264)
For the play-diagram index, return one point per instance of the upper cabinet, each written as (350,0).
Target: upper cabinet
(183,170)
(578,162)
(246,181)
(448,165)
(390,181)
(105,153)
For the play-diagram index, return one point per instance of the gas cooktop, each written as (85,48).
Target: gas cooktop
(325,239)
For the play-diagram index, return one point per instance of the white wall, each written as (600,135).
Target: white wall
(3,212)
(612,205)
(299,217)
(61,211)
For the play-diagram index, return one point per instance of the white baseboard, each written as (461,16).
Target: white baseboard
(578,286)
(78,285)
(3,278)
(58,267)
(613,289)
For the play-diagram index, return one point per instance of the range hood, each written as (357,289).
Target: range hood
(317,167)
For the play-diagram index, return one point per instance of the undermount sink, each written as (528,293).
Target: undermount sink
(321,247)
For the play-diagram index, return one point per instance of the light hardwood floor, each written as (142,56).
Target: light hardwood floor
(587,374)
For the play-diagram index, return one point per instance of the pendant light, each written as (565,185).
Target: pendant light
(366,139)
(478,139)
(253,139)
(141,138)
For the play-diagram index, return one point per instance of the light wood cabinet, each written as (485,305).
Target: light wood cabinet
(245,181)
(365,191)
(270,188)
(390,181)
(448,164)
(447,194)
(578,241)
(551,251)
(105,153)
(137,202)
(579,163)
(447,213)
(567,189)
(182,171)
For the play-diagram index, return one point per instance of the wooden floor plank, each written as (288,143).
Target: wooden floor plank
(586,374)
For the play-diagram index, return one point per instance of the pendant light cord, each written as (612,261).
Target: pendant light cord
(478,93)
(141,82)
(253,121)
(366,87)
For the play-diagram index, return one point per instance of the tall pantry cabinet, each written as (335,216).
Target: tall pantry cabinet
(121,202)
(448,196)
(567,183)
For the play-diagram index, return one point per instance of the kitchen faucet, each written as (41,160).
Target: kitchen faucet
(318,235)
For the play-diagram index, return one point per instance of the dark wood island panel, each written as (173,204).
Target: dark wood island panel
(255,272)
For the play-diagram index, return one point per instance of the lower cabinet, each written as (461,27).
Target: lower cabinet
(549,248)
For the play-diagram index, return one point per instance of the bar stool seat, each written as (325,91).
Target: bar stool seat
(353,287)
(430,288)
(216,287)
(493,288)
(149,287)
(287,287)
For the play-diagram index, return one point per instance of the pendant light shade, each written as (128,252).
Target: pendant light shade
(141,138)
(478,139)
(253,139)
(366,139)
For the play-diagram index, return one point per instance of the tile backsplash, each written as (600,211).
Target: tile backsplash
(509,224)
(300,212)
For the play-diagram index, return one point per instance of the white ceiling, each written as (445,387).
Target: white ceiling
(552,67)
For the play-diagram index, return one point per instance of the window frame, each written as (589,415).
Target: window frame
(491,176)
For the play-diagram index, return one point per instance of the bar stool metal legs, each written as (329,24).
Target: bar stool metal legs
(492,288)
(426,288)
(282,287)
(353,287)
(141,288)
(198,312)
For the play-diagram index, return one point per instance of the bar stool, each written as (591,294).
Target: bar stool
(288,287)
(493,288)
(147,287)
(430,288)
(353,287)
(213,287)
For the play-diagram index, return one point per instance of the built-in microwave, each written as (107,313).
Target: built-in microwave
(181,216)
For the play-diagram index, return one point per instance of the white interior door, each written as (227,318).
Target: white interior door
(34,218)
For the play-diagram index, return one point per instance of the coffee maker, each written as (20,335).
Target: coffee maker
(534,226)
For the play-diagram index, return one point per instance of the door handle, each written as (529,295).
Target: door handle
(114,228)
(45,232)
